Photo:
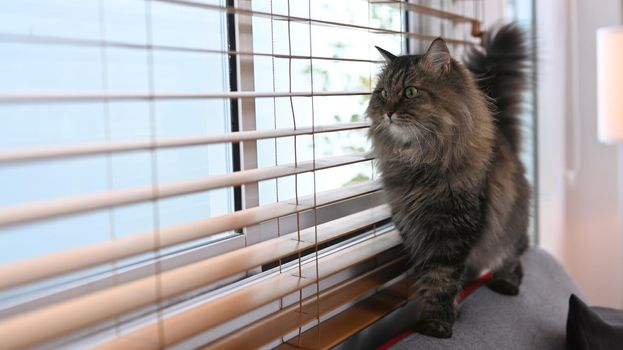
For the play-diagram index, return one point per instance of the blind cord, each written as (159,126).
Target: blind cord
(313,138)
(154,174)
(108,135)
(296,183)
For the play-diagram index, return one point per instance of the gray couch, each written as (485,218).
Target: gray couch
(535,319)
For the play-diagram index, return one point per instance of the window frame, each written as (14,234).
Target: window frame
(244,156)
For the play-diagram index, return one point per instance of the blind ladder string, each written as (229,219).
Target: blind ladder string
(296,186)
(154,175)
(272,49)
(372,196)
(108,134)
(313,135)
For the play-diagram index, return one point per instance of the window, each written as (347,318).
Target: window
(195,173)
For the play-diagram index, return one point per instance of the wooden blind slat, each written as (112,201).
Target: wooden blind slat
(55,152)
(289,319)
(32,270)
(339,328)
(111,96)
(115,301)
(275,16)
(196,320)
(45,210)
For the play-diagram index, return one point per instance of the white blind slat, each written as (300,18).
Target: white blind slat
(118,300)
(48,266)
(212,313)
(57,40)
(53,152)
(67,206)
(110,96)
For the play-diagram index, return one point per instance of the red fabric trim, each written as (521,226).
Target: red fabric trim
(395,340)
(474,286)
(481,281)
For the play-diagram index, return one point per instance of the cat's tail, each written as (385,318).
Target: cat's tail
(500,67)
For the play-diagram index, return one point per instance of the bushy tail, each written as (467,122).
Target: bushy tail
(500,70)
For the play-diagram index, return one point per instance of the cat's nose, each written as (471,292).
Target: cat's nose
(389,114)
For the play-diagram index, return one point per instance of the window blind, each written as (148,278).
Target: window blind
(304,247)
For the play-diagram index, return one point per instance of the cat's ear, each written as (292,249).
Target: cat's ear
(438,56)
(388,56)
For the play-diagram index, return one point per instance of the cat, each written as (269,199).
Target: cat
(447,139)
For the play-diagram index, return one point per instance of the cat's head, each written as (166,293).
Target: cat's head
(421,101)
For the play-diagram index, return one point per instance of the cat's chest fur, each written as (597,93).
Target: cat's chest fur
(428,202)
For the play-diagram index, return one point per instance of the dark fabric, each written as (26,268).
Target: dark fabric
(594,328)
(535,319)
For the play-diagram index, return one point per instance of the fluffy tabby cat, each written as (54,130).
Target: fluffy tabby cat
(447,138)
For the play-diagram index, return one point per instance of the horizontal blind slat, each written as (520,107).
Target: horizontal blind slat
(52,265)
(426,10)
(275,16)
(53,152)
(266,330)
(122,96)
(194,321)
(56,40)
(115,301)
(61,207)
(339,328)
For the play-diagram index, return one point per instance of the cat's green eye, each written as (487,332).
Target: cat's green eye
(411,92)
(384,94)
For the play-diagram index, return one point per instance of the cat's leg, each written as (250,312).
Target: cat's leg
(470,275)
(507,278)
(436,291)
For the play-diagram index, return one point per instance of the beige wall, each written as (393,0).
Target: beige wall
(581,217)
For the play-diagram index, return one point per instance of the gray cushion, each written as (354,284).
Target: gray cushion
(535,319)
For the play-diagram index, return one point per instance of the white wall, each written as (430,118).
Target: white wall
(579,210)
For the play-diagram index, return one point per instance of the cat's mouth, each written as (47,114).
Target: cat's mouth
(405,129)
(394,119)
(397,120)
(399,131)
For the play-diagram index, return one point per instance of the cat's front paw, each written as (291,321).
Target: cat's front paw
(507,280)
(504,287)
(434,328)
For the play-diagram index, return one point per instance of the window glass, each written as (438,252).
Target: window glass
(327,76)
(64,47)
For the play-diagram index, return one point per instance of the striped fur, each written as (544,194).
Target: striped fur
(452,175)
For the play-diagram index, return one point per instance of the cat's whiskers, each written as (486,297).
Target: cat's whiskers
(428,140)
(432,147)
(421,126)
(418,141)
(377,126)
